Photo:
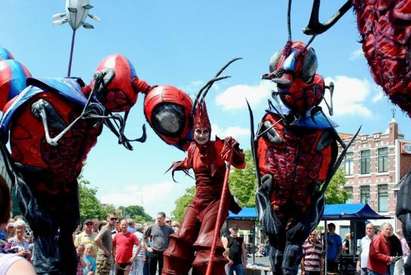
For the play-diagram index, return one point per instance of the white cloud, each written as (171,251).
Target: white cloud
(153,197)
(236,132)
(350,96)
(380,94)
(234,97)
(358,53)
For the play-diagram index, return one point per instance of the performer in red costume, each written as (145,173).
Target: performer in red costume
(191,246)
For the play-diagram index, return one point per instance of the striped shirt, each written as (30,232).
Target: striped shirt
(312,255)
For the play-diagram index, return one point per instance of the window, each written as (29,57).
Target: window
(349,164)
(365,162)
(349,192)
(382,160)
(364,194)
(383,198)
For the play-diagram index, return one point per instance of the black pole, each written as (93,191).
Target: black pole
(73,38)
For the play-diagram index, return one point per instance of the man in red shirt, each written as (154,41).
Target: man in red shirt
(380,251)
(123,243)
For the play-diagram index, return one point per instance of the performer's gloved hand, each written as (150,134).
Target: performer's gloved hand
(230,144)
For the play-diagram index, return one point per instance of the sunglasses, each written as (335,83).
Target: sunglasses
(113,219)
(89,223)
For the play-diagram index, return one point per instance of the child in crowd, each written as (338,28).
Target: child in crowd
(81,264)
(89,260)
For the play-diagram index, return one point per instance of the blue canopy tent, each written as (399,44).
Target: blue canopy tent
(356,211)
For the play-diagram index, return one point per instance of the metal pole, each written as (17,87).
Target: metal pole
(254,242)
(220,216)
(73,38)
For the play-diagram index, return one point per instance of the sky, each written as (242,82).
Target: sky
(183,43)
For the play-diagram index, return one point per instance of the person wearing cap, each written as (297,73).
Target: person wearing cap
(87,236)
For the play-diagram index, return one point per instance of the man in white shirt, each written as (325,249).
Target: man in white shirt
(365,248)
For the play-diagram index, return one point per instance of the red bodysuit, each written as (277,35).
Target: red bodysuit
(197,229)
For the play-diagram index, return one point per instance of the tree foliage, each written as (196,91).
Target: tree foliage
(243,182)
(135,212)
(182,203)
(91,207)
(335,192)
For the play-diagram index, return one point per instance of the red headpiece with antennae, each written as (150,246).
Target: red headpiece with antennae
(201,119)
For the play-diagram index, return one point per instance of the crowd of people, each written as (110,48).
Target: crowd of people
(121,246)
(118,246)
(381,252)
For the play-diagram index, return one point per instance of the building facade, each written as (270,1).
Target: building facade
(373,166)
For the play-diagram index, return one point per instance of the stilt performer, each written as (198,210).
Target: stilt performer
(295,150)
(192,246)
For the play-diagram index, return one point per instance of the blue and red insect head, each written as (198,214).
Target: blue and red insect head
(294,71)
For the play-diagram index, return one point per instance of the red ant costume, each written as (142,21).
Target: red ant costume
(296,155)
(192,245)
(52,125)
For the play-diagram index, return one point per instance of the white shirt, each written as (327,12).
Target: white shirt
(365,249)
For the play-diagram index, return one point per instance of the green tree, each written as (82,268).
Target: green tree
(243,182)
(182,203)
(335,191)
(137,213)
(90,206)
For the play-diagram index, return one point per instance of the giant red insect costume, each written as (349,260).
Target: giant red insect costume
(52,124)
(191,247)
(295,150)
(385,28)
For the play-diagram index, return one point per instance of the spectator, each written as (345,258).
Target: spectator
(131,226)
(157,237)
(365,249)
(104,243)
(10,264)
(123,243)
(404,245)
(89,260)
(396,251)
(346,244)
(87,236)
(334,247)
(3,232)
(379,257)
(312,262)
(176,226)
(399,266)
(138,264)
(236,252)
(10,230)
(18,244)
(80,259)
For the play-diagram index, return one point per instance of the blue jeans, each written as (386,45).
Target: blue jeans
(239,269)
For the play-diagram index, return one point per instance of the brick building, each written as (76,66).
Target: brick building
(374,165)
